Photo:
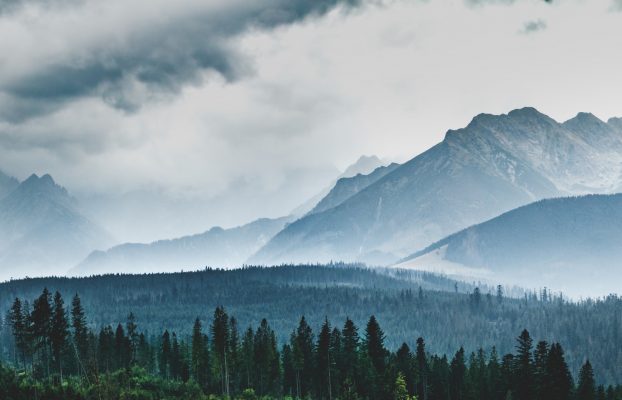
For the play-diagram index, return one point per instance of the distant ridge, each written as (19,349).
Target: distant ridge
(570,244)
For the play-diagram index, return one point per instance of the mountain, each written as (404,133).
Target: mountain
(7,184)
(41,229)
(347,187)
(570,244)
(364,166)
(215,248)
(495,164)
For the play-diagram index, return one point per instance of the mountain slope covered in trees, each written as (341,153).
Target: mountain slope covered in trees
(479,318)
(59,356)
(495,164)
(569,244)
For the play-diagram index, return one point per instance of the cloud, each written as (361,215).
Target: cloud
(533,26)
(129,52)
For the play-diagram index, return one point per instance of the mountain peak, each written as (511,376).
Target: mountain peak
(584,118)
(364,165)
(43,186)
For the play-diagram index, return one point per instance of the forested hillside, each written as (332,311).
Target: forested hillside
(57,356)
(448,320)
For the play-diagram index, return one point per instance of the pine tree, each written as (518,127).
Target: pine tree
(557,383)
(220,342)
(121,348)
(132,337)
(540,369)
(457,372)
(41,328)
(199,357)
(165,355)
(376,353)
(80,334)
(59,331)
(18,325)
(302,348)
(248,354)
(523,368)
(323,363)
(404,365)
(234,357)
(349,351)
(586,389)
(422,370)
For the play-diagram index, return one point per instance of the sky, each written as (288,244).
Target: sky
(166,118)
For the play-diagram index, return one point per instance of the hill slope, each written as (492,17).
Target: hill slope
(569,244)
(495,164)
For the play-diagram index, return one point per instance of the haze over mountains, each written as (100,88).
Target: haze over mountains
(42,230)
(381,214)
(495,164)
(219,247)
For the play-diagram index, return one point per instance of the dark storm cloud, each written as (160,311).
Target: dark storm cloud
(157,60)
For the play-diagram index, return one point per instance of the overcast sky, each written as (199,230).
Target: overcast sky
(249,107)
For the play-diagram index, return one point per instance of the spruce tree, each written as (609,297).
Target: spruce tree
(523,368)
(422,370)
(220,342)
(59,331)
(586,389)
(457,373)
(165,355)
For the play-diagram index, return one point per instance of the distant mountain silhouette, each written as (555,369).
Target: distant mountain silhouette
(41,229)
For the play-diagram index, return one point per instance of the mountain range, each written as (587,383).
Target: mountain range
(218,247)
(493,165)
(496,169)
(571,242)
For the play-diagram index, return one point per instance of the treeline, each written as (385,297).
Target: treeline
(60,357)
(409,304)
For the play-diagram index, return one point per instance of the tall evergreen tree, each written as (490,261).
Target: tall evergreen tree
(59,330)
(422,370)
(80,333)
(457,373)
(586,388)
(220,342)
(165,355)
(523,368)
(323,363)
(557,381)
(199,367)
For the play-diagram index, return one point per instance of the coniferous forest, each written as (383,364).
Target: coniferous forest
(56,355)
(319,332)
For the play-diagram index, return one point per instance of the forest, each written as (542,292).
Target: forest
(448,314)
(56,355)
